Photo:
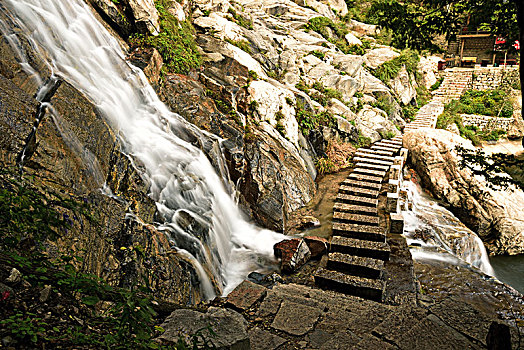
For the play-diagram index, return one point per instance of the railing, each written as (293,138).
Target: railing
(472,31)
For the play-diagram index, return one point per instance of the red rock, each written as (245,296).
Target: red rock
(245,295)
(317,245)
(293,253)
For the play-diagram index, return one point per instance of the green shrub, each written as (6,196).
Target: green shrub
(389,70)
(240,20)
(325,166)
(437,84)
(386,104)
(175,42)
(494,103)
(309,120)
(241,44)
(319,54)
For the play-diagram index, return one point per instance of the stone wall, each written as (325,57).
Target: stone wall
(483,122)
(485,78)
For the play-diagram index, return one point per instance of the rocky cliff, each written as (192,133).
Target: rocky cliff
(495,214)
(280,84)
(281,81)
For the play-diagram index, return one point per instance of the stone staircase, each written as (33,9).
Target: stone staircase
(427,116)
(456,82)
(358,249)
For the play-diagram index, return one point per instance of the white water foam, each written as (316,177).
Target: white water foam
(431,229)
(182,181)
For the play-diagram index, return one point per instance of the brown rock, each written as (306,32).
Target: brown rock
(245,295)
(317,245)
(292,253)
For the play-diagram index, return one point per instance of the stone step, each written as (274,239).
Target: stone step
(360,247)
(356,209)
(358,191)
(382,148)
(353,285)
(369,172)
(352,218)
(355,265)
(391,141)
(366,178)
(371,160)
(367,165)
(374,151)
(382,157)
(387,144)
(357,200)
(364,232)
(362,184)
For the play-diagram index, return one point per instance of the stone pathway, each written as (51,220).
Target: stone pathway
(456,82)
(358,250)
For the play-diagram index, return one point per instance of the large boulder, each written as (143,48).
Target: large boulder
(428,68)
(373,123)
(145,14)
(274,104)
(364,28)
(404,86)
(496,215)
(376,57)
(276,180)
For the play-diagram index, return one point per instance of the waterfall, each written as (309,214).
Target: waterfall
(199,215)
(432,230)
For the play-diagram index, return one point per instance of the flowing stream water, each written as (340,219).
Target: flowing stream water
(434,233)
(183,182)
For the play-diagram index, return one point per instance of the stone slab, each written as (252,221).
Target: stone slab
(363,184)
(360,247)
(371,233)
(373,160)
(355,218)
(295,319)
(229,327)
(356,209)
(369,172)
(354,176)
(264,340)
(355,265)
(353,285)
(358,191)
(375,151)
(358,200)
(367,165)
(245,295)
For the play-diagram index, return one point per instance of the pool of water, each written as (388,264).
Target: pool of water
(510,269)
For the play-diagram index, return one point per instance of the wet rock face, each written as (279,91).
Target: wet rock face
(495,215)
(74,153)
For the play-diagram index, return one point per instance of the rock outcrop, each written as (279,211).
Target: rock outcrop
(74,153)
(497,216)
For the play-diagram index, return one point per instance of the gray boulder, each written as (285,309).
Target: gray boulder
(229,327)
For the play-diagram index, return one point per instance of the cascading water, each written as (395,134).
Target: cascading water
(199,215)
(431,230)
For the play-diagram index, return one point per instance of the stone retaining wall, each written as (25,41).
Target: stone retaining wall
(483,122)
(485,78)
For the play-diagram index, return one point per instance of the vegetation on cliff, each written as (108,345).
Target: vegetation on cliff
(175,42)
(47,299)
